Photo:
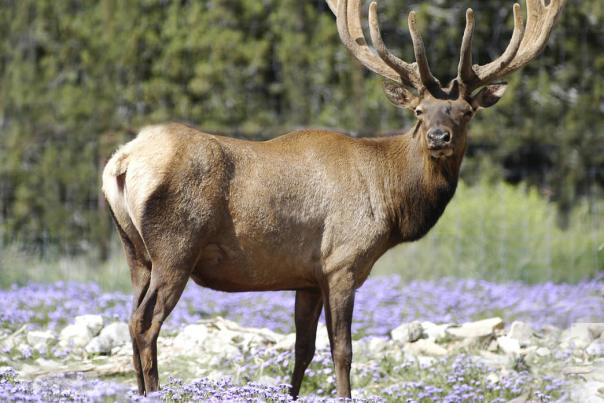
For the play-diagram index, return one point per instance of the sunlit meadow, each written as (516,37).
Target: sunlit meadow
(382,304)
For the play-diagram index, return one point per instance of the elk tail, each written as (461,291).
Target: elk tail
(114,178)
(115,190)
(118,164)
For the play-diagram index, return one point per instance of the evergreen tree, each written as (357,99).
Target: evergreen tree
(78,78)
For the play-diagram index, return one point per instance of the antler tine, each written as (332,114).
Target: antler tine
(540,22)
(407,71)
(465,72)
(420,56)
(527,43)
(348,20)
(493,70)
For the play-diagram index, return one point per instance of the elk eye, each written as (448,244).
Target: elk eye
(468,114)
(418,112)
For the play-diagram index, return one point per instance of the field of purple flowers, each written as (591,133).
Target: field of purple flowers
(382,304)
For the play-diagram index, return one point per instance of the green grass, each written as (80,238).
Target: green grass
(20,268)
(504,232)
(491,231)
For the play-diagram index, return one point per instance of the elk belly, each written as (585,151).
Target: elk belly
(224,268)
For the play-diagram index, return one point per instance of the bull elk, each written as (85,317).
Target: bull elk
(309,211)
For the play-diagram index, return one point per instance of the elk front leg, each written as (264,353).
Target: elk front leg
(339,304)
(308,310)
(165,289)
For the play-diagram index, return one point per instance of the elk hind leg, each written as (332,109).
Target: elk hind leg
(308,309)
(165,288)
(140,275)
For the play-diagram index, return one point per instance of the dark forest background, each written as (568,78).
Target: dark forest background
(78,78)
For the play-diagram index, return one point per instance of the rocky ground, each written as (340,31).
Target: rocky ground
(52,349)
(217,358)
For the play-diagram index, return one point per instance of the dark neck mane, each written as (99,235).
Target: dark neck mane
(418,187)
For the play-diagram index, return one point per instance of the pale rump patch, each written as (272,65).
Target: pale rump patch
(133,173)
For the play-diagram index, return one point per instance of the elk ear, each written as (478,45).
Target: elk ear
(400,96)
(488,96)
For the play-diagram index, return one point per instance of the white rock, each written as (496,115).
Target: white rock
(377,345)
(494,360)
(550,335)
(98,345)
(322,340)
(9,343)
(288,342)
(74,336)
(508,345)
(117,332)
(126,349)
(94,323)
(41,339)
(596,348)
(597,329)
(216,341)
(493,346)
(522,332)
(192,337)
(407,332)
(14,339)
(543,352)
(372,346)
(580,335)
(243,337)
(481,328)
(218,352)
(113,335)
(48,364)
(524,398)
(493,378)
(424,347)
(425,361)
(81,332)
(586,392)
(435,332)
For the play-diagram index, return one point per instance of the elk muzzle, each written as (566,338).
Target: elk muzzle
(439,142)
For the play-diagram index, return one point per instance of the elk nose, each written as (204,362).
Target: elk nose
(439,135)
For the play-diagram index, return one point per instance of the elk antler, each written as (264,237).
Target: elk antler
(384,63)
(526,43)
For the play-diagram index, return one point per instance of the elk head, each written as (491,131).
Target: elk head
(443,112)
